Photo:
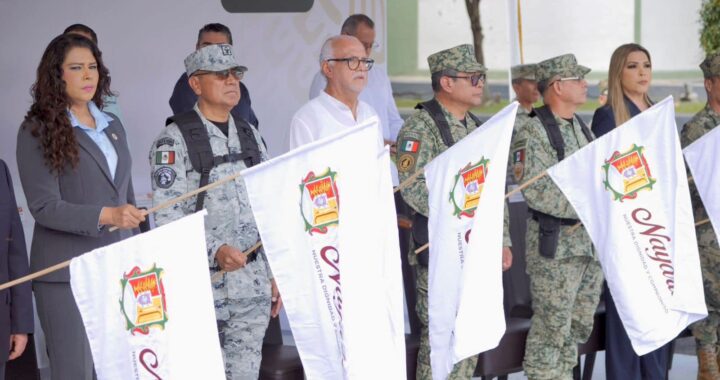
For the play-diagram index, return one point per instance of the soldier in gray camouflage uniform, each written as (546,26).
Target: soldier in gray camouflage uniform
(243,294)
(706,331)
(565,289)
(419,142)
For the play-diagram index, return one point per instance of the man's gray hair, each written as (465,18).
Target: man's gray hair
(328,48)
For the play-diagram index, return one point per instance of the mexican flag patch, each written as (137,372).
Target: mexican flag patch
(165,158)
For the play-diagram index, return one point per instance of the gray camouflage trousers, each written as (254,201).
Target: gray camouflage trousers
(565,295)
(462,370)
(241,336)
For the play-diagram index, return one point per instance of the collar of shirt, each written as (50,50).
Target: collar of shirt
(452,119)
(102,120)
(340,107)
(213,129)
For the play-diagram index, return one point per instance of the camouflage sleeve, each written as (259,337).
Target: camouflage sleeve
(506,226)
(170,166)
(691,131)
(542,195)
(414,150)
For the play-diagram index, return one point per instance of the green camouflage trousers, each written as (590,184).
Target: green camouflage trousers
(706,330)
(462,370)
(565,295)
(241,336)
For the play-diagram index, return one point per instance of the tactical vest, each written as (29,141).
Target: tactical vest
(420,222)
(432,107)
(546,117)
(548,225)
(200,152)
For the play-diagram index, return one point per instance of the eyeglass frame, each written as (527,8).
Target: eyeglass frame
(369,62)
(480,78)
(575,78)
(371,46)
(224,74)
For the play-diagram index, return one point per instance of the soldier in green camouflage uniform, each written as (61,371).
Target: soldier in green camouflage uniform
(565,289)
(243,295)
(420,142)
(526,93)
(706,331)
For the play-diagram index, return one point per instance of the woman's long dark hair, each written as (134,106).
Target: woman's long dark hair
(48,113)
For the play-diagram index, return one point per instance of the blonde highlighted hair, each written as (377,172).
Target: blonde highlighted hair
(616,96)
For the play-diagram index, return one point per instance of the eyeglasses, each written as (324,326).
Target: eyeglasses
(355,63)
(475,79)
(236,72)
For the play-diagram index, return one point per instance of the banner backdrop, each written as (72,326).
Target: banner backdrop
(702,157)
(466,190)
(630,190)
(147,305)
(327,222)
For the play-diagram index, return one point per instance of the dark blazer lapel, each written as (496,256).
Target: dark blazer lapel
(89,146)
(114,135)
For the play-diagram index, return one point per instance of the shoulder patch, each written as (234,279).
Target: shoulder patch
(518,159)
(164,177)
(410,145)
(164,141)
(406,162)
(165,157)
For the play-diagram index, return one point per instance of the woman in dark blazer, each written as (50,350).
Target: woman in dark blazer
(629,80)
(74,166)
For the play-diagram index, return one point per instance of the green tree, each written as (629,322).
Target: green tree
(710,31)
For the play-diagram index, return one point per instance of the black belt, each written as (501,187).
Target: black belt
(563,221)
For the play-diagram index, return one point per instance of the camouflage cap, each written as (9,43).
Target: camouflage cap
(211,58)
(563,66)
(460,58)
(711,66)
(523,71)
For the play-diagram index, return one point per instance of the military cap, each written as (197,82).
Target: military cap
(711,66)
(523,71)
(460,58)
(563,66)
(212,58)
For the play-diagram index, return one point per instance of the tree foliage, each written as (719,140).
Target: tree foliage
(710,21)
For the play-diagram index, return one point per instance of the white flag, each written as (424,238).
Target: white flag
(327,222)
(466,192)
(147,305)
(630,190)
(702,156)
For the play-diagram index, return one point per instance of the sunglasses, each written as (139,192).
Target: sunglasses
(236,72)
(475,79)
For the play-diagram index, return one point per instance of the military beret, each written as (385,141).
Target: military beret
(460,58)
(711,65)
(212,58)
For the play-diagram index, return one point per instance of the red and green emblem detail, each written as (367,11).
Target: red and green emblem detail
(319,201)
(627,173)
(143,300)
(467,188)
